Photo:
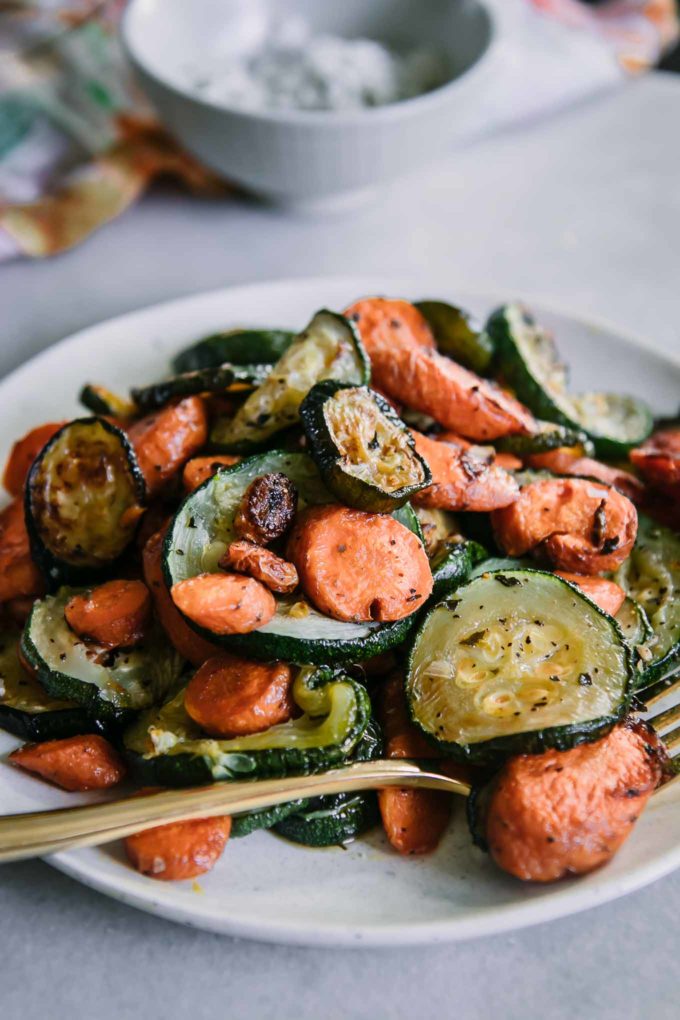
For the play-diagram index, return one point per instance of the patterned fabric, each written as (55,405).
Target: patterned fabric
(78,143)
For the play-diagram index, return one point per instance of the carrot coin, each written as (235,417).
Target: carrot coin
(462,479)
(563,462)
(23,453)
(414,820)
(381,320)
(568,812)
(200,469)
(224,603)
(359,566)
(165,440)
(247,558)
(580,526)
(19,575)
(76,763)
(189,644)
(606,594)
(231,697)
(422,379)
(115,614)
(179,850)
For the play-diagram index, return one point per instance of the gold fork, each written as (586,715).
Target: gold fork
(39,833)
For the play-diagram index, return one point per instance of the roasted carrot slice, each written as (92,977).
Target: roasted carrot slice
(462,479)
(231,697)
(563,462)
(200,469)
(359,566)
(247,558)
(381,320)
(402,739)
(115,614)
(77,763)
(224,603)
(606,594)
(427,381)
(24,452)
(179,850)
(19,576)
(165,440)
(568,812)
(580,526)
(189,644)
(414,820)
(658,461)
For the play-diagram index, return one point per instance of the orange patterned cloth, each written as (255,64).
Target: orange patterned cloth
(78,144)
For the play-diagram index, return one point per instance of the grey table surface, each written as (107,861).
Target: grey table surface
(584,210)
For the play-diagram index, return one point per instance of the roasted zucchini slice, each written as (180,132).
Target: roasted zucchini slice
(308,827)
(169,749)
(83,501)
(550,436)
(459,335)
(329,348)
(337,819)
(202,529)
(227,379)
(331,821)
(253,821)
(527,359)
(26,709)
(100,400)
(108,684)
(515,662)
(236,346)
(651,576)
(364,452)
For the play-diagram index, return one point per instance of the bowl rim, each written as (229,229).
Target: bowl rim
(328,119)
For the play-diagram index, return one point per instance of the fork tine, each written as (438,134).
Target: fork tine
(663,720)
(650,695)
(672,740)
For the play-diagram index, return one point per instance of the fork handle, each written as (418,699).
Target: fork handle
(39,833)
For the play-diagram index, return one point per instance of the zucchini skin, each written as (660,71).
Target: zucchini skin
(39,726)
(493,752)
(452,564)
(186,769)
(56,570)
(352,491)
(239,346)
(206,380)
(268,818)
(319,652)
(335,823)
(101,401)
(458,335)
(551,437)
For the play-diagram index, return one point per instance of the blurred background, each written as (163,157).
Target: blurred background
(98,98)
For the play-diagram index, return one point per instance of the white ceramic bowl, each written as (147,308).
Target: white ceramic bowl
(296,155)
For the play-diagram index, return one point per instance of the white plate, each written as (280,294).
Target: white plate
(263,887)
